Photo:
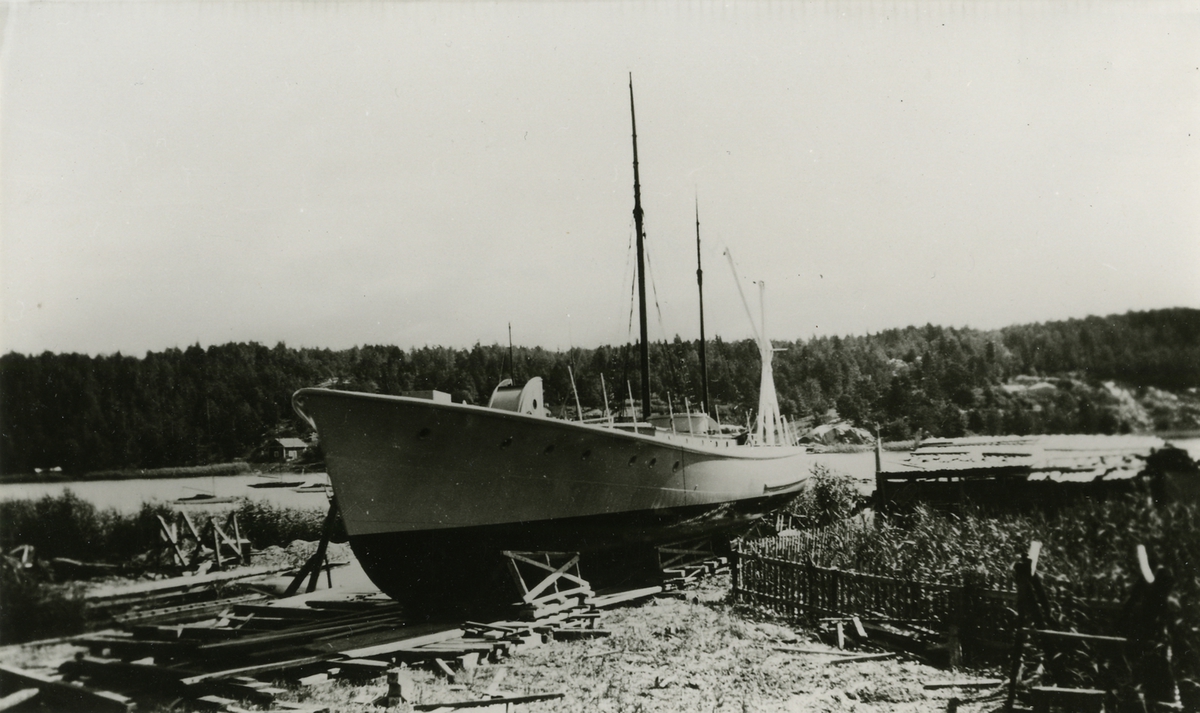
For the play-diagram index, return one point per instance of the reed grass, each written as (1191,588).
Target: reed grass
(189,471)
(1088,555)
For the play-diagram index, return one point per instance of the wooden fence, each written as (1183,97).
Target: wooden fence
(780,576)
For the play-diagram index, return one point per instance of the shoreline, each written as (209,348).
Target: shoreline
(215,470)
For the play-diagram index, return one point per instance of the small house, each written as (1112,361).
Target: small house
(287,449)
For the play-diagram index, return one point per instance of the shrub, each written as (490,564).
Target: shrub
(830,497)
(266,524)
(30,610)
(68,526)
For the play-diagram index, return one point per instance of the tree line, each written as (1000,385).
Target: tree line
(195,405)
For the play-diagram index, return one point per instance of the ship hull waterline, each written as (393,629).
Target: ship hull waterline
(432,493)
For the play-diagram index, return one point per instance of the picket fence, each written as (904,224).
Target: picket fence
(779,575)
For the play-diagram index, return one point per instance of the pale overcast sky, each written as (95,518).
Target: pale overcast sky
(411,173)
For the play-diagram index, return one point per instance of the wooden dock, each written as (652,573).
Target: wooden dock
(1024,471)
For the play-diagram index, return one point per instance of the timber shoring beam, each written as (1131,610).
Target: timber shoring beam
(63,695)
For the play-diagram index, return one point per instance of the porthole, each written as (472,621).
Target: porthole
(675,468)
(535,404)
(652,462)
(632,459)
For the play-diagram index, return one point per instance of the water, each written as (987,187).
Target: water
(128,495)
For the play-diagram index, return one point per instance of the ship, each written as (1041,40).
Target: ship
(433,493)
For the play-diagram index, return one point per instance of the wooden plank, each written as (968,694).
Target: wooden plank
(803,650)
(254,691)
(568,633)
(286,612)
(359,669)
(65,696)
(444,668)
(971,683)
(311,633)
(366,652)
(1081,638)
(17,698)
(856,659)
(285,665)
(129,647)
(179,583)
(498,700)
(1084,700)
(604,601)
(160,678)
(197,609)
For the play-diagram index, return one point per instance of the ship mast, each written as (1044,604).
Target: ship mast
(641,272)
(700,284)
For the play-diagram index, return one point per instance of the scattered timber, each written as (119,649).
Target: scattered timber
(192,638)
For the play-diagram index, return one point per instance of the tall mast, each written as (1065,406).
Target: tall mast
(700,284)
(641,272)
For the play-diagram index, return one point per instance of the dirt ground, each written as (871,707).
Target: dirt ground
(691,651)
(695,652)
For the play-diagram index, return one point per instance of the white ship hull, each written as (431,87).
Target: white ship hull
(430,493)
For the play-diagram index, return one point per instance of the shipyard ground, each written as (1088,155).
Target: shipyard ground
(690,650)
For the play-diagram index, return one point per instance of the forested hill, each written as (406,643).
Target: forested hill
(193,406)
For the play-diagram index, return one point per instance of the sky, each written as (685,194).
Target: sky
(331,174)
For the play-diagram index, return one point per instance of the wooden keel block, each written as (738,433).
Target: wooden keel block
(467,663)
(442,667)
(399,687)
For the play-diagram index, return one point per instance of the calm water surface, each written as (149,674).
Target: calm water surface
(128,495)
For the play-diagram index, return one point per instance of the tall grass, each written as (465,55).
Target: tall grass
(1088,553)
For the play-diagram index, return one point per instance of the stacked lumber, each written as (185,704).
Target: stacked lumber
(191,638)
(215,659)
(681,576)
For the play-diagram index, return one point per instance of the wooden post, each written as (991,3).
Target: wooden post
(243,545)
(399,687)
(1030,603)
(218,560)
(312,568)
(167,532)
(735,570)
